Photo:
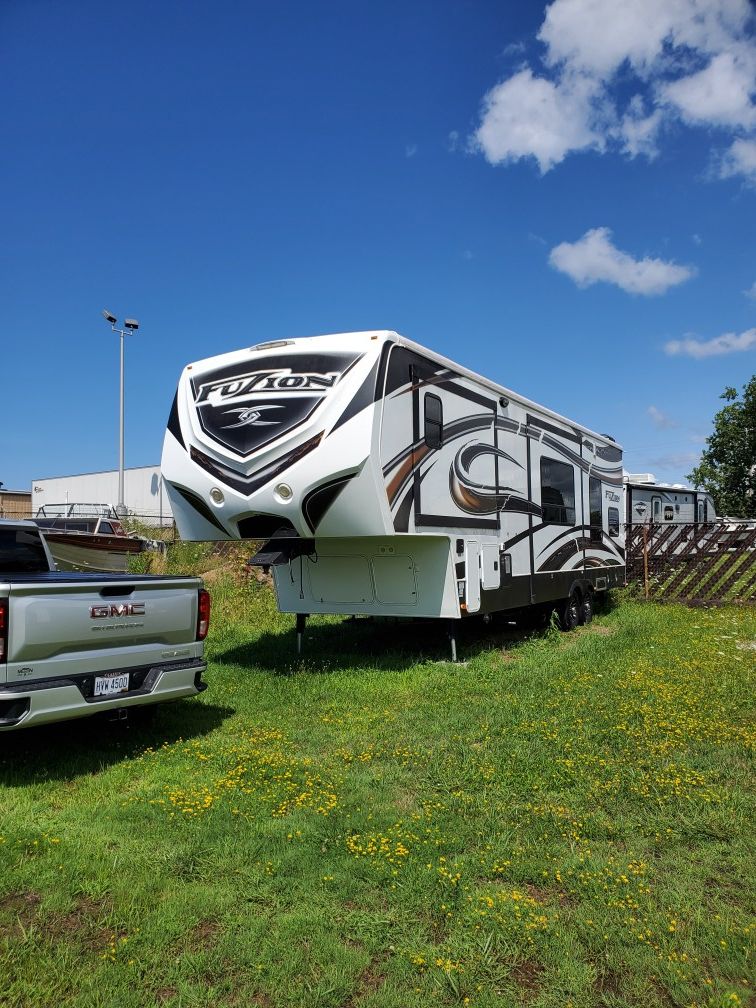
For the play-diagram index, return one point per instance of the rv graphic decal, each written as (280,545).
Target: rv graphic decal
(469,495)
(474,497)
(261,383)
(573,548)
(245,406)
(248,417)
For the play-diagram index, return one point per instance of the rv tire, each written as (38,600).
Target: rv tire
(586,609)
(569,612)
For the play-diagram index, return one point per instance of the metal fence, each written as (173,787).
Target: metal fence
(695,565)
(162,523)
(16,512)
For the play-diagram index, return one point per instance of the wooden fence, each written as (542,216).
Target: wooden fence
(695,565)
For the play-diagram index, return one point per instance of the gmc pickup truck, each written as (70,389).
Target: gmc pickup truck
(73,645)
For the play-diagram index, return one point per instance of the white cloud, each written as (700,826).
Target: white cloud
(740,159)
(720,94)
(638,131)
(690,61)
(594,258)
(727,343)
(751,292)
(528,116)
(660,420)
(597,36)
(410,150)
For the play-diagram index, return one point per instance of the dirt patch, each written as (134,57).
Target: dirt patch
(406,801)
(244,1000)
(19,903)
(608,982)
(83,921)
(544,895)
(21,908)
(538,893)
(527,976)
(602,631)
(258,575)
(163,994)
(204,934)
(371,979)
(507,656)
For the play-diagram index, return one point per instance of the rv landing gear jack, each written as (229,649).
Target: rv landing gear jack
(451,630)
(301,621)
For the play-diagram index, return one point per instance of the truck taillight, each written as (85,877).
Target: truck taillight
(203,614)
(3,630)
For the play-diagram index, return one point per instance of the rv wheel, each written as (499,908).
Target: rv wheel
(586,609)
(569,613)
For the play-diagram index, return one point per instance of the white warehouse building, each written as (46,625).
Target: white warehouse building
(144,496)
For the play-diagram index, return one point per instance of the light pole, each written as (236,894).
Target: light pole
(130,325)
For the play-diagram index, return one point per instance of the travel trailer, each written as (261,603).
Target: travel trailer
(652,503)
(390,481)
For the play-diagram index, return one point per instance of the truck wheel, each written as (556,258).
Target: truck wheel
(586,609)
(569,612)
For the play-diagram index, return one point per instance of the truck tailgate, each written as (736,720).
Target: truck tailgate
(62,626)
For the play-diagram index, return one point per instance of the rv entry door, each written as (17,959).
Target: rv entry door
(472,569)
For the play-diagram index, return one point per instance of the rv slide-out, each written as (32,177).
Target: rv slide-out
(388,480)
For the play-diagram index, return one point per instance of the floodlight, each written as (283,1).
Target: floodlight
(108,317)
(131,323)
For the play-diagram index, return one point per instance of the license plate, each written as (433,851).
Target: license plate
(108,685)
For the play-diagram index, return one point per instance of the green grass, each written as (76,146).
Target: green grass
(561,820)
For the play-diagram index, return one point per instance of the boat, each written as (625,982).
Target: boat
(87,537)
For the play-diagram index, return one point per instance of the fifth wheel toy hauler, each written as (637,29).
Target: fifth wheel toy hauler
(390,481)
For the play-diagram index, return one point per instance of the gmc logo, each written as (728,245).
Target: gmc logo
(125,609)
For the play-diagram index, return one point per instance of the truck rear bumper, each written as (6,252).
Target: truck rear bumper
(35,703)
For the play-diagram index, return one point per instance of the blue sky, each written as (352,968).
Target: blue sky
(561,197)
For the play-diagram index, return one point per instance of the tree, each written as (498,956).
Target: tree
(728,463)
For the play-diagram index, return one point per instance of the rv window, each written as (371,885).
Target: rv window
(557,492)
(434,421)
(594,498)
(594,503)
(613,519)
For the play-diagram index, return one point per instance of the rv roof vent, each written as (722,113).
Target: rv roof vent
(679,486)
(609,438)
(272,344)
(640,478)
